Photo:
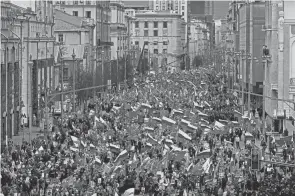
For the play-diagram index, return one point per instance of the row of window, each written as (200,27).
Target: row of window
(146,24)
(170,8)
(121,48)
(156,51)
(87,14)
(77,2)
(122,38)
(165,43)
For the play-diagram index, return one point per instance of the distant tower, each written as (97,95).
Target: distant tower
(44,10)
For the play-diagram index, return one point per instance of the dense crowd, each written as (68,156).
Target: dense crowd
(173,134)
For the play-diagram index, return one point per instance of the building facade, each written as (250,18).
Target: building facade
(73,35)
(119,34)
(163,33)
(33,33)
(178,6)
(100,11)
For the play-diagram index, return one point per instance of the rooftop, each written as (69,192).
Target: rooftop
(65,21)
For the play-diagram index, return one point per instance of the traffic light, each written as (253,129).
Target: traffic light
(255,162)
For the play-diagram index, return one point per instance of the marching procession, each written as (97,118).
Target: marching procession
(171,134)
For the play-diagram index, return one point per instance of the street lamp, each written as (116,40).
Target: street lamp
(266,59)
(250,80)
(74,80)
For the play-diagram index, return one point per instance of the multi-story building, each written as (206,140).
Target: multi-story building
(178,6)
(220,32)
(163,34)
(73,35)
(203,10)
(138,5)
(220,9)
(33,32)
(119,32)
(101,13)
(10,72)
(286,60)
(244,41)
(198,39)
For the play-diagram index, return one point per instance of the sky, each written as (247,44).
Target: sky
(24,3)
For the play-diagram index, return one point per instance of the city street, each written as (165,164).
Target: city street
(25,135)
(151,97)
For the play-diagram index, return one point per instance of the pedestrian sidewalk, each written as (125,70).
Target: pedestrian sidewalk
(24,134)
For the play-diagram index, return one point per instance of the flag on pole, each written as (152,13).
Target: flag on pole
(183,135)
(168,121)
(146,106)
(123,155)
(204,154)
(114,148)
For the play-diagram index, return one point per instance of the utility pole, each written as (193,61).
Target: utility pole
(242,79)
(74,80)
(62,89)
(117,75)
(46,128)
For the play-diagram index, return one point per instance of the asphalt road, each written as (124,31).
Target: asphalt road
(25,135)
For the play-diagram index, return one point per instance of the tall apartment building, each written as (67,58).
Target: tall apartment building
(119,34)
(164,35)
(203,10)
(35,62)
(220,9)
(286,51)
(178,6)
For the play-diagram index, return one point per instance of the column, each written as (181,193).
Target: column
(280,22)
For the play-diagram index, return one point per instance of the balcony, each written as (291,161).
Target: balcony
(274,87)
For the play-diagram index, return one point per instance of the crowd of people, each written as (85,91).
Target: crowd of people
(171,134)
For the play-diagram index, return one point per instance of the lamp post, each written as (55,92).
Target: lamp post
(266,59)
(74,81)
(250,81)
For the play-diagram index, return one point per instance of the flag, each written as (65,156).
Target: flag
(157,120)
(149,129)
(206,166)
(129,192)
(97,160)
(75,140)
(189,167)
(179,154)
(177,112)
(74,149)
(184,122)
(207,104)
(219,126)
(223,121)
(183,135)
(237,113)
(168,121)
(148,145)
(205,121)
(96,120)
(123,155)
(196,105)
(192,127)
(202,114)
(152,140)
(103,121)
(146,106)
(168,141)
(204,154)
(114,148)
(145,161)
(235,123)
